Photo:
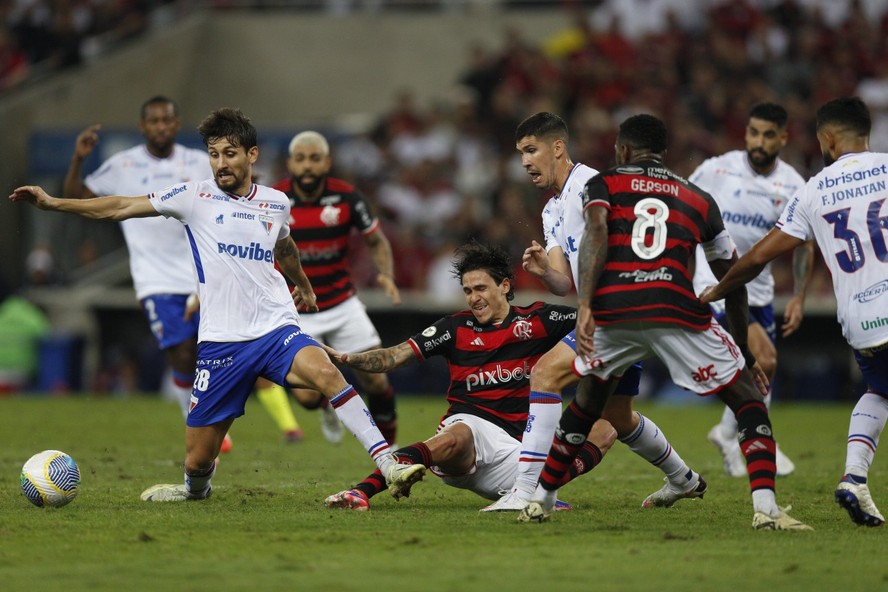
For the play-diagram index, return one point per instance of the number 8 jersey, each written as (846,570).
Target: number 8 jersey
(655,221)
(844,209)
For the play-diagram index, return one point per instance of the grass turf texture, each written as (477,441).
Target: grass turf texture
(266,528)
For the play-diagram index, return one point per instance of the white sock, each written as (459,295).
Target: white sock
(355,416)
(177,386)
(765,501)
(649,442)
(867,422)
(542,419)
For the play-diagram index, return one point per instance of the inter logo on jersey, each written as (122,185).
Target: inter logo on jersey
(267,222)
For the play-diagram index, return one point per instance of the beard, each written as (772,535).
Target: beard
(827,159)
(760,158)
(309,187)
(231,184)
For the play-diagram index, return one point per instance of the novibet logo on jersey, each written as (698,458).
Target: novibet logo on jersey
(254,252)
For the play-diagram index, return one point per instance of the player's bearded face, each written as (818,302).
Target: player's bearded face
(764,140)
(232,165)
(160,125)
(309,165)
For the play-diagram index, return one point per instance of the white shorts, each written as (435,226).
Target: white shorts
(345,327)
(700,361)
(496,458)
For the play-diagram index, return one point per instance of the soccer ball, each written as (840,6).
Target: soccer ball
(50,478)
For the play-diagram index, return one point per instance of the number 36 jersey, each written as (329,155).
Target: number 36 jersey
(845,209)
(655,221)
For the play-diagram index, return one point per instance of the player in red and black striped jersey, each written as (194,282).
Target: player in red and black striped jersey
(324,212)
(636,300)
(490,349)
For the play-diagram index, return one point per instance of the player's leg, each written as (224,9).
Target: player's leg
(331,427)
(646,439)
(177,338)
(864,430)
(702,362)
(350,330)
(226,375)
(310,367)
(276,402)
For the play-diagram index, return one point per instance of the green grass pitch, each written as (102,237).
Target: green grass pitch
(266,528)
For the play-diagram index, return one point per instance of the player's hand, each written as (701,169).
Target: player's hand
(391,290)
(706,295)
(336,356)
(33,194)
(192,307)
(535,261)
(793,315)
(585,331)
(760,379)
(86,141)
(305,301)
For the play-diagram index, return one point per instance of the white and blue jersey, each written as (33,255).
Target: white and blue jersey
(563,221)
(155,245)
(231,240)
(750,205)
(844,209)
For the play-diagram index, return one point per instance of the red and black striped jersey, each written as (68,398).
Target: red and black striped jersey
(490,365)
(321,230)
(655,220)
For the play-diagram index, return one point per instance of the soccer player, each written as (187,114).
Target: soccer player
(324,210)
(491,350)
(542,140)
(636,300)
(162,276)
(843,209)
(751,188)
(248,325)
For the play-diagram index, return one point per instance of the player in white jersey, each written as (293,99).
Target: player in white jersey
(162,277)
(751,188)
(541,139)
(249,326)
(843,208)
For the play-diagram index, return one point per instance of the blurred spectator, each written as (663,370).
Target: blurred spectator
(22,325)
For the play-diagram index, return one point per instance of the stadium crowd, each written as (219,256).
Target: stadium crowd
(441,172)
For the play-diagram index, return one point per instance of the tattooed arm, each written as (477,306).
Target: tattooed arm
(286,253)
(377,360)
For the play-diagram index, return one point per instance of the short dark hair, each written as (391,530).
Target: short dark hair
(772,112)
(850,112)
(158,100)
(230,124)
(475,256)
(644,132)
(542,125)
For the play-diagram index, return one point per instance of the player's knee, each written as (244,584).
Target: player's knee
(552,374)
(768,362)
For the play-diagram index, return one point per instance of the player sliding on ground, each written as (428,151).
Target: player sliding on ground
(490,349)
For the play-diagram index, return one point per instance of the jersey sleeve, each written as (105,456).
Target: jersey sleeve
(435,340)
(175,201)
(104,180)
(558,319)
(551,219)
(362,217)
(794,220)
(702,175)
(596,193)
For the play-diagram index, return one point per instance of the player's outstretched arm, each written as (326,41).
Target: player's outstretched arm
(286,253)
(111,207)
(768,248)
(380,360)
